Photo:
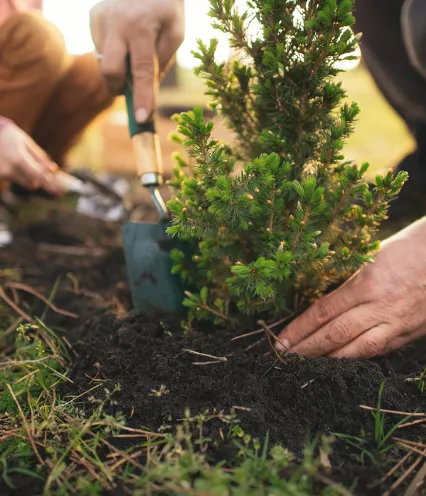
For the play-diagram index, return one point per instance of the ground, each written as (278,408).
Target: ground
(97,399)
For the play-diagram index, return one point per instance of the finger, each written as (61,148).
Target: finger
(145,75)
(113,63)
(339,332)
(170,40)
(34,175)
(41,156)
(379,340)
(318,315)
(97,26)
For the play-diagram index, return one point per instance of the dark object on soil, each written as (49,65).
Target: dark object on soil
(147,246)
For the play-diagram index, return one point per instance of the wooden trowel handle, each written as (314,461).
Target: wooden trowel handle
(146,141)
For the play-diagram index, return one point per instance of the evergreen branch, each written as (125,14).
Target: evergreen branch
(294,217)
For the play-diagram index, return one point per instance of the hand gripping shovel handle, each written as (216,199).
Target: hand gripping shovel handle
(146,144)
(146,141)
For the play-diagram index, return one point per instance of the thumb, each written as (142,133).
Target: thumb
(145,76)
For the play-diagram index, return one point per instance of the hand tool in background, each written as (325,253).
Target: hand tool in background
(95,199)
(91,196)
(147,246)
(94,196)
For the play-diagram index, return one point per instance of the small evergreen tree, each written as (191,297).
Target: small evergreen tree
(280,214)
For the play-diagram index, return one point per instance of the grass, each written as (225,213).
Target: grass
(52,443)
(374,449)
(55,443)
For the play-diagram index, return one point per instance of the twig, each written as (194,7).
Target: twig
(393,469)
(71,348)
(30,374)
(268,333)
(242,408)
(416,482)
(267,329)
(14,307)
(206,307)
(371,409)
(215,362)
(15,363)
(85,463)
(126,459)
(271,326)
(8,434)
(253,333)
(15,295)
(74,398)
(412,449)
(34,292)
(414,422)
(205,355)
(26,426)
(254,344)
(215,312)
(116,452)
(404,476)
(127,429)
(410,443)
(129,436)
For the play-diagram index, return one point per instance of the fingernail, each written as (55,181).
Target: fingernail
(141,115)
(284,344)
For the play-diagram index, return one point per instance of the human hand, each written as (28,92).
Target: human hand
(151,30)
(381,309)
(23,162)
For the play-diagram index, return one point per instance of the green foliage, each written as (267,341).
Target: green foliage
(181,464)
(280,214)
(381,436)
(375,447)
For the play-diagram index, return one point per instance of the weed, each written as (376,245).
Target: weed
(374,448)
(56,446)
(160,392)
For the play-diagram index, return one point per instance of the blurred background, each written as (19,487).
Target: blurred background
(381,137)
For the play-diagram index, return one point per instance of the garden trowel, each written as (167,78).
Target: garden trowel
(147,246)
(94,198)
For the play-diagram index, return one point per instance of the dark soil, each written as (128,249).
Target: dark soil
(292,402)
